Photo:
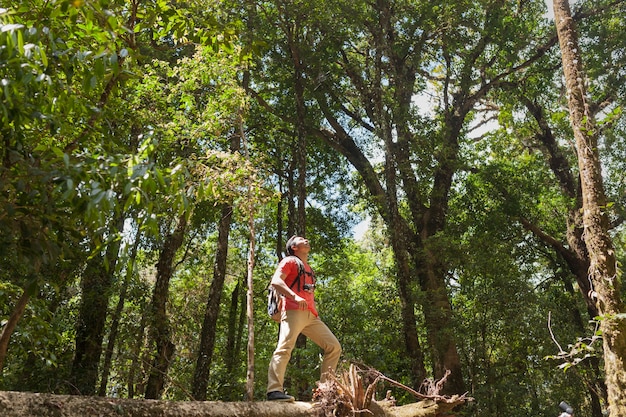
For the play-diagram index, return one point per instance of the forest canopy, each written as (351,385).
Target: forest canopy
(157,155)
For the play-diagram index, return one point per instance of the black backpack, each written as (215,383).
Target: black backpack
(274,299)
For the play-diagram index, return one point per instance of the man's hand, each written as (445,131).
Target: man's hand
(302,304)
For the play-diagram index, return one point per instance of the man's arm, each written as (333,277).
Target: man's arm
(278,282)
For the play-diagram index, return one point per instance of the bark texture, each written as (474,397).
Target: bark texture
(603,267)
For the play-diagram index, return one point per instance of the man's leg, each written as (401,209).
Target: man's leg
(321,335)
(290,327)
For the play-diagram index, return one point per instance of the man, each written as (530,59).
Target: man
(298,316)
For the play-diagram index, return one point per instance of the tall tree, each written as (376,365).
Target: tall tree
(161,343)
(603,266)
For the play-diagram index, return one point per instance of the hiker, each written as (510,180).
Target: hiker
(294,279)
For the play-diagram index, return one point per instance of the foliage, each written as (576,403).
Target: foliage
(128,109)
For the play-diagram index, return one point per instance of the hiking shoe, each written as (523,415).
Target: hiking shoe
(279,396)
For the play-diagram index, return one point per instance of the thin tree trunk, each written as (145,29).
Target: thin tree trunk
(250,275)
(301,164)
(398,228)
(291,203)
(164,348)
(603,266)
(279,224)
(301,154)
(209,325)
(400,244)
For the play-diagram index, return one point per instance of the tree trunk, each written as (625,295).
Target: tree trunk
(209,325)
(251,212)
(300,157)
(164,348)
(407,309)
(436,303)
(250,311)
(279,223)
(291,203)
(96,290)
(230,354)
(603,267)
(300,215)
(241,327)
(301,148)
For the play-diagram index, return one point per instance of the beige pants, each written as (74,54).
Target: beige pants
(294,322)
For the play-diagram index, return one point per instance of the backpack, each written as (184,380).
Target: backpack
(275,299)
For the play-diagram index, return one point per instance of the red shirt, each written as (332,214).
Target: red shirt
(289,267)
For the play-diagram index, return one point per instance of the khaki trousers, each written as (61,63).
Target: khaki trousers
(294,322)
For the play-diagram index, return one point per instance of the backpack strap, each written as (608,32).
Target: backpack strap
(300,272)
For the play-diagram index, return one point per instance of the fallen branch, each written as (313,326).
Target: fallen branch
(344,395)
